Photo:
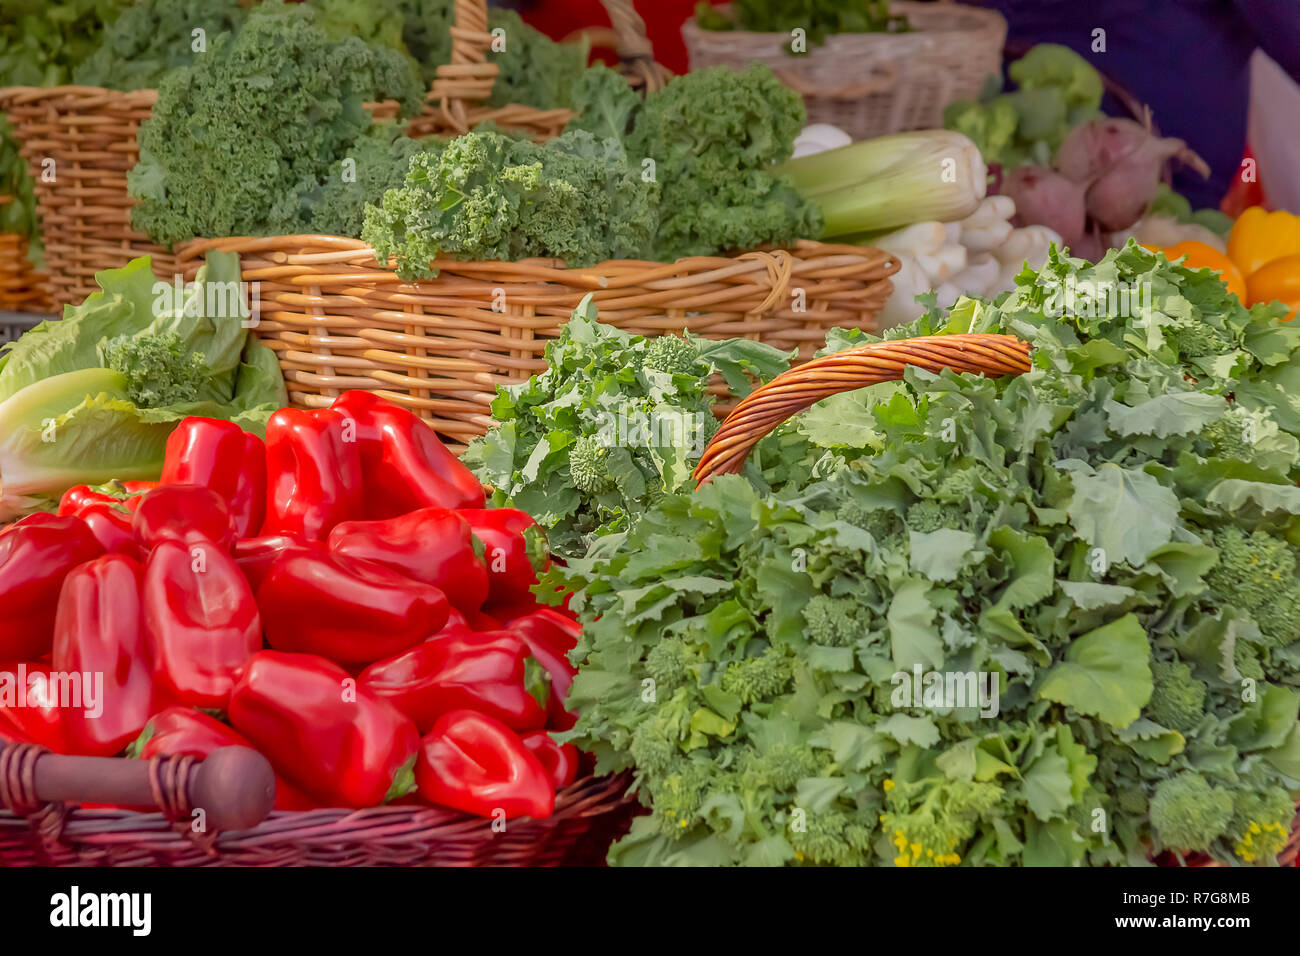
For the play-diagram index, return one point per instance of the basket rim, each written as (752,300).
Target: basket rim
(320,250)
(586,798)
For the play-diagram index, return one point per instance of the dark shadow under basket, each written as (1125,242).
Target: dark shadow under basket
(589,815)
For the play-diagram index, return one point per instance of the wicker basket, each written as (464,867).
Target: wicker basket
(22,287)
(798,389)
(90,135)
(339,320)
(870,84)
(589,815)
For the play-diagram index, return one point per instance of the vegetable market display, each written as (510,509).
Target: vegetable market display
(1101,556)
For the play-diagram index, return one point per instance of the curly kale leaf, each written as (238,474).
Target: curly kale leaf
(238,139)
(152,37)
(486,196)
(713,134)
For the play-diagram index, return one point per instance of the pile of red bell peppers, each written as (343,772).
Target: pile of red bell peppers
(337,597)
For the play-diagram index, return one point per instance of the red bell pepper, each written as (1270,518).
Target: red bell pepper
(337,741)
(463,670)
(99,634)
(475,763)
(201,621)
(344,609)
(184,514)
(313,473)
(78,496)
(560,760)
(433,545)
(550,636)
(36,517)
(186,732)
(34,560)
(222,456)
(256,555)
(514,551)
(29,706)
(406,467)
(111,524)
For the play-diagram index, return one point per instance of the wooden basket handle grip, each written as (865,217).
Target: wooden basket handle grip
(234,786)
(468,78)
(793,391)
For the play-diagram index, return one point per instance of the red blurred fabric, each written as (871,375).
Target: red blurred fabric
(663,20)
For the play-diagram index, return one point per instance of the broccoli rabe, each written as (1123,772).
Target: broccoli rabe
(832,621)
(1261,822)
(1188,813)
(930,515)
(780,766)
(678,796)
(1178,700)
(929,821)
(589,466)
(831,839)
(677,356)
(1257,573)
(1227,439)
(669,662)
(1196,339)
(757,678)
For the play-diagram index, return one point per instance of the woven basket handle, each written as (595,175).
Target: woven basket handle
(234,787)
(793,391)
(468,78)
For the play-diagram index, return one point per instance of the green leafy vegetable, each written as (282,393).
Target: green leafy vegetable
(93,396)
(1036,620)
(1057,89)
(487,196)
(151,37)
(614,422)
(243,141)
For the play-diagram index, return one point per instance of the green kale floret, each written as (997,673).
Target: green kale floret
(159,372)
(238,139)
(1178,700)
(713,135)
(654,745)
(1257,573)
(1227,439)
(780,766)
(1188,813)
(832,621)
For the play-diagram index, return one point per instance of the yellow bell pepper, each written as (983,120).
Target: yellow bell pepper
(1277,281)
(1202,256)
(1258,237)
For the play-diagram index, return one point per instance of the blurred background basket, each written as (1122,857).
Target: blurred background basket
(338,319)
(89,135)
(871,84)
(22,287)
